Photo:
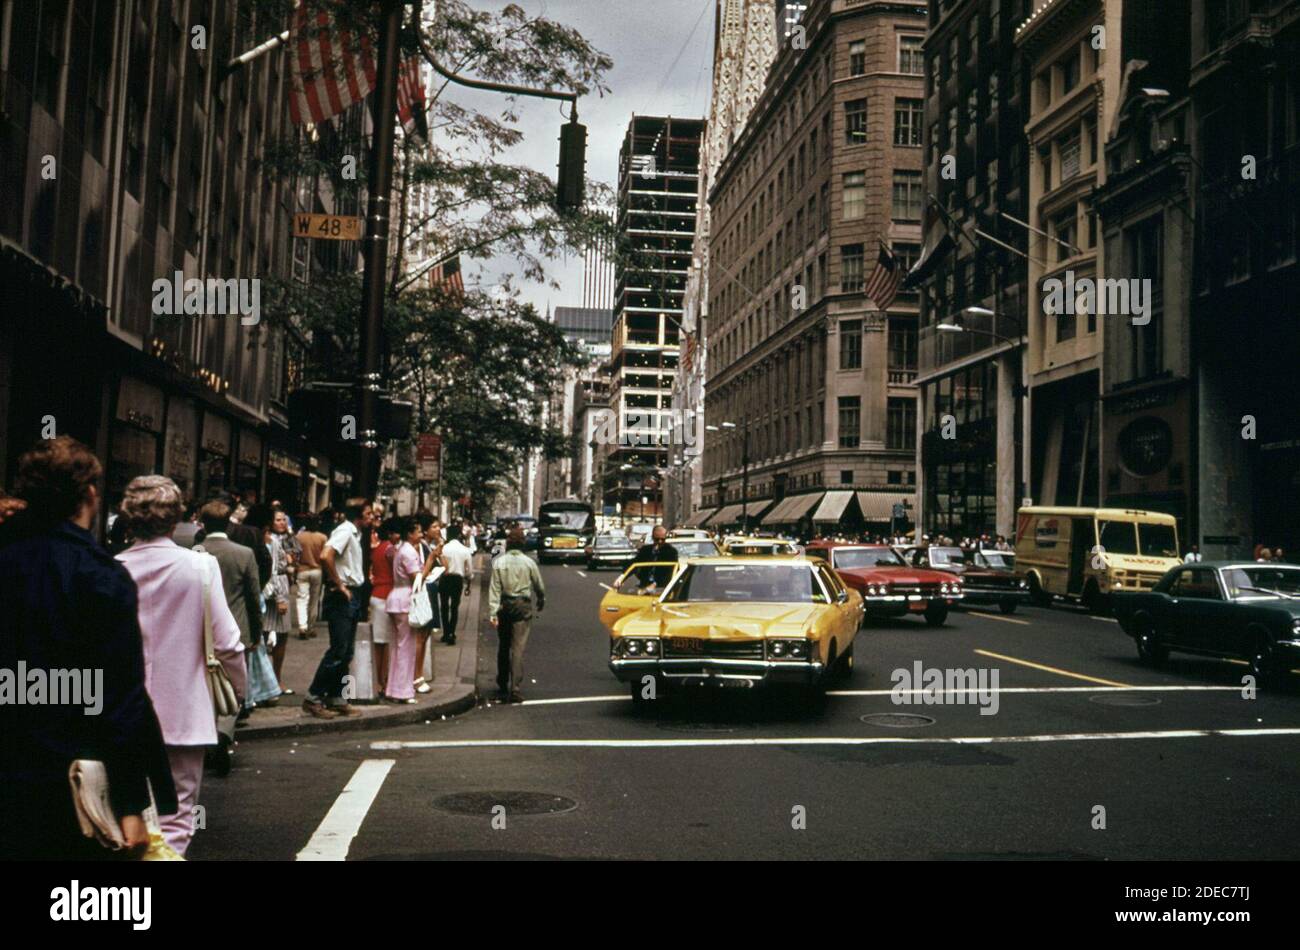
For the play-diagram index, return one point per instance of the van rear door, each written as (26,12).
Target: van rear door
(1082,537)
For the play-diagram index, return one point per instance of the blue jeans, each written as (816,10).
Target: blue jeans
(342,616)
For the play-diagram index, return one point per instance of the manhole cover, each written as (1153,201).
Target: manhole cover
(897,720)
(1123,699)
(515,803)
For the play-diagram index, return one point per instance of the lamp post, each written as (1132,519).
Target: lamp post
(744,468)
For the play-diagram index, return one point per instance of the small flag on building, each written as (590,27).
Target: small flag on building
(331,69)
(411,102)
(882,287)
(445,276)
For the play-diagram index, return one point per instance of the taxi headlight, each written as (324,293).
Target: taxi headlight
(788,649)
(547,542)
(1024,584)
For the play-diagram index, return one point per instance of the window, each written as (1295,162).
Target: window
(900,434)
(908,195)
(910,59)
(906,253)
(851,269)
(850,421)
(909,114)
(850,344)
(858,58)
(1069,72)
(846,476)
(855,122)
(854,194)
(902,344)
(1063,229)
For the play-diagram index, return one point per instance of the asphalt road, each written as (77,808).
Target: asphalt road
(746,774)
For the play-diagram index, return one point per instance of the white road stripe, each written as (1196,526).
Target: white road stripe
(582,574)
(977,613)
(1044,689)
(576,699)
(821,741)
(1103,619)
(331,841)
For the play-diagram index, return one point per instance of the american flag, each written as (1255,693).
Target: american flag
(330,68)
(882,287)
(411,100)
(445,275)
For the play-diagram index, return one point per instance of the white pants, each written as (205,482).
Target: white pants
(308,597)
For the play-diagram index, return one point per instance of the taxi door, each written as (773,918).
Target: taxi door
(627,596)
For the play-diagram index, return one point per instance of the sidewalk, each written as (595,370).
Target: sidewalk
(453,684)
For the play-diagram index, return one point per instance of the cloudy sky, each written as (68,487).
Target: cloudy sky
(644,38)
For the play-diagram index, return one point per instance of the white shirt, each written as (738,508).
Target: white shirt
(346,542)
(1191,557)
(459,560)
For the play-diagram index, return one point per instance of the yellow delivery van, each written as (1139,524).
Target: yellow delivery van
(1085,554)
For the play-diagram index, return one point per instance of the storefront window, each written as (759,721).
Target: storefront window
(180,451)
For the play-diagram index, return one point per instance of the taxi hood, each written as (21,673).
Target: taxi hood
(728,621)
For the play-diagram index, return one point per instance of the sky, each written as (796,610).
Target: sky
(643,38)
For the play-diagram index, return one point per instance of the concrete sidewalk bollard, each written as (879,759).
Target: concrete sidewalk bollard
(362,669)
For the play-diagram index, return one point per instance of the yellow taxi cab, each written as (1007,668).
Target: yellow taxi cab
(736,621)
(740,546)
(638,587)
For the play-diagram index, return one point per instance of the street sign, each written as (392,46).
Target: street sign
(327,227)
(428,457)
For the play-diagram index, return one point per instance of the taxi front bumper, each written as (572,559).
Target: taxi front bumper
(717,671)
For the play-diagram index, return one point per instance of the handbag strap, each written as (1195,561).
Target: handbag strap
(209,654)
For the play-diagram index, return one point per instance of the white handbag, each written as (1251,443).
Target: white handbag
(224,700)
(421,614)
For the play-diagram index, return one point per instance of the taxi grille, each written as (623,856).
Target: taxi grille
(927,589)
(729,649)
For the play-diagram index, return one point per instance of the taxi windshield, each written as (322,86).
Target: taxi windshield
(746,584)
(690,548)
(848,558)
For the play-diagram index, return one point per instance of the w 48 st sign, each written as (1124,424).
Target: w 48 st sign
(327,227)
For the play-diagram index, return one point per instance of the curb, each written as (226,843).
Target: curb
(458,699)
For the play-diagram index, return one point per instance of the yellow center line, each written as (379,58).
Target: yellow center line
(1052,669)
(976,613)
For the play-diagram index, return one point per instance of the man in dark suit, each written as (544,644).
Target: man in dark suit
(239,575)
(250,538)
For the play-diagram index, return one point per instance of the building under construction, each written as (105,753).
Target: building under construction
(658,186)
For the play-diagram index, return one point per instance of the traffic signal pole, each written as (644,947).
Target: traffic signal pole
(375,250)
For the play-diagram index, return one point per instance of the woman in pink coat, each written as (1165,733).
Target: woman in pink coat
(407,565)
(173,584)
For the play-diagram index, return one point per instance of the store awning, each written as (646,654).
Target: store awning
(728,514)
(879,505)
(792,509)
(697,519)
(833,505)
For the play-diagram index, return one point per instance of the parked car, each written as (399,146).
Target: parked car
(738,546)
(987,577)
(740,622)
(1242,610)
(610,550)
(888,585)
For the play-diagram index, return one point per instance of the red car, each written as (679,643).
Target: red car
(890,587)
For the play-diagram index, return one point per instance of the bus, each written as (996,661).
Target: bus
(1086,554)
(564,529)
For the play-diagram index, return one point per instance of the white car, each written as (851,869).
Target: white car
(639,534)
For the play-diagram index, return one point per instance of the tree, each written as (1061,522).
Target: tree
(477,366)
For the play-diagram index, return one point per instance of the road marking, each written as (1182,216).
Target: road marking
(1052,669)
(331,841)
(1104,619)
(603,699)
(581,574)
(977,613)
(388,745)
(1037,689)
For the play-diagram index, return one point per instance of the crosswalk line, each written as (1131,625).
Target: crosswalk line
(332,839)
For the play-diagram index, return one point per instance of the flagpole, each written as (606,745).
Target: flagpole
(375,247)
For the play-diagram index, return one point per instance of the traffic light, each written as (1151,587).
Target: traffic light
(573,167)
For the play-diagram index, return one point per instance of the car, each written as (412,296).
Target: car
(1241,610)
(740,621)
(639,534)
(636,589)
(610,550)
(738,546)
(889,586)
(987,577)
(695,547)
(691,534)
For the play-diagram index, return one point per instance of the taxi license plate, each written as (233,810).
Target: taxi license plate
(916,605)
(566,542)
(688,644)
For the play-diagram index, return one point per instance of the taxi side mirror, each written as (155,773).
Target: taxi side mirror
(842,597)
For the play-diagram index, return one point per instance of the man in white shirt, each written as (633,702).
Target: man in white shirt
(452,585)
(341,606)
(1192,556)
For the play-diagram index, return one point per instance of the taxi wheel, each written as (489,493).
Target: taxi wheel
(1150,650)
(844,666)
(1262,664)
(1007,606)
(935,616)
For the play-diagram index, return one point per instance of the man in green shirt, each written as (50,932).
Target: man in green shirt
(515,579)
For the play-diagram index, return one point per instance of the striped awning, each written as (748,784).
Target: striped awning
(697,519)
(833,505)
(792,509)
(879,505)
(728,514)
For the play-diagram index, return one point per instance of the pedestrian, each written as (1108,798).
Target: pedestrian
(188,532)
(276,622)
(307,600)
(1279,556)
(407,565)
(1193,555)
(454,584)
(431,550)
(657,551)
(67,605)
(180,591)
(249,537)
(381,585)
(341,562)
(243,592)
(515,581)
(1263,554)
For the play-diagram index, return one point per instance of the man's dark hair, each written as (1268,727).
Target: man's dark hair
(454,530)
(353,508)
(54,478)
(393,526)
(305,521)
(215,516)
(425,518)
(259,516)
(515,539)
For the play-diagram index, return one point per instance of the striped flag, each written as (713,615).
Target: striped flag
(882,287)
(445,275)
(330,68)
(411,102)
